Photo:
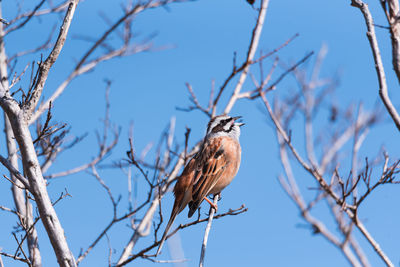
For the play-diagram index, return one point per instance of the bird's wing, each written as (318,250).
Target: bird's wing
(209,167)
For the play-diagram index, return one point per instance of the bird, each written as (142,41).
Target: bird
(210,170)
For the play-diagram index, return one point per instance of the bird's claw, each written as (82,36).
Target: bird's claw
(214,206)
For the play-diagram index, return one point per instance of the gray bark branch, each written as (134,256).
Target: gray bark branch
(380,71)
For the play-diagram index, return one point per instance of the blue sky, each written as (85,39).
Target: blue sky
(201,37)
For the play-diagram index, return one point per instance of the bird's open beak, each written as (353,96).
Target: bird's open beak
(238,123)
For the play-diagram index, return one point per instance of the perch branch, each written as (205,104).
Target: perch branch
(207,232)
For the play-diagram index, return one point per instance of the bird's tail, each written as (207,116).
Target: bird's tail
(193,206)
(171,220)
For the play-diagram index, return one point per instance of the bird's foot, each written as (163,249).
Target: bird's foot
(214,206)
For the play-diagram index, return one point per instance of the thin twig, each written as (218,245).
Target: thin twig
(15,172)
(141,253)
(84,65)
(61,7)
(27,19)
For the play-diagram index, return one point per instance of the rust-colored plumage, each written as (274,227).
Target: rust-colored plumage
(210,170)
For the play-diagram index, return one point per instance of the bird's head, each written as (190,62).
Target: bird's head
(224,125)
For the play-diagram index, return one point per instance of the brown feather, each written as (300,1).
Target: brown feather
(214,162)
(183,196)
(208,172)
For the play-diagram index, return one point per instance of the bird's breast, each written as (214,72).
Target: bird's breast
(232,152)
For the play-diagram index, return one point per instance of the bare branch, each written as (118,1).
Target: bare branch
(35,13)
(142,254)
(13,257)
(9,210)
(293,191)
(383,90)
(27,18)
(207,231)
(4,21)
(44,46)
(24,208)
(255,38)
(394,26)
(373,243)
(338,190)
(84,65)
(45,67)
(21,249)
(15,172)
(104,151)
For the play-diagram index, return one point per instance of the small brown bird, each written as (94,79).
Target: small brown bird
(210,170)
